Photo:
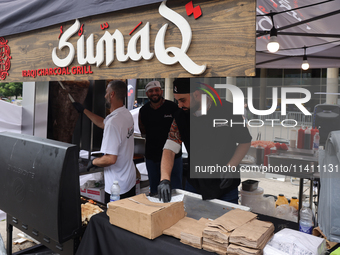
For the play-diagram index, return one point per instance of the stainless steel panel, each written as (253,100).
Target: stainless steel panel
(28,108)
(35,108)
(41,109)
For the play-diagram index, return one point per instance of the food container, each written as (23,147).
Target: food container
(249,185)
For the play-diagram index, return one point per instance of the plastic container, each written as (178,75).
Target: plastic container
(250,185)
(307,139)
(292,138)
(281,200)
(294,202)
(259,155)
(115,192)
(250,197)
(316,141)
(306,223)
(301,138)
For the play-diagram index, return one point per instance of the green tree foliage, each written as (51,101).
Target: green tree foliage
(11,89)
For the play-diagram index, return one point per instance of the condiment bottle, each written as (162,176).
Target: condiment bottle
(307,139)
(316,141)
(292,138)
(281,200)
(301,137)
(312,134)
(294,202)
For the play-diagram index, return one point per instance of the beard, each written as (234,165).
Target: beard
(194,105)
(107,104)
(155,99)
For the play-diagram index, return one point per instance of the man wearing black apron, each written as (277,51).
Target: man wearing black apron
(215,151)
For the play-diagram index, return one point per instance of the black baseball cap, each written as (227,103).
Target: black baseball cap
(182,86)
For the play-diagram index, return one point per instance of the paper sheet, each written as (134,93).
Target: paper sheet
(176,198)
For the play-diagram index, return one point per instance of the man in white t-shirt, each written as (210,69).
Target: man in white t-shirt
(118,141)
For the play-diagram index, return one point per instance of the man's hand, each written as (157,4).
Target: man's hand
(79,107)
(164,191)
(90,165)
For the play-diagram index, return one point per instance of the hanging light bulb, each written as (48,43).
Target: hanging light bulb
(305,64)
(273,45)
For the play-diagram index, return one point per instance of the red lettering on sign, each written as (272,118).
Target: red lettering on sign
(135,28)
(80,32)
(5,58)
(197,11)
(74,70)
(103,26)
(61,31)
(90,69)
(93,192)
(57,71)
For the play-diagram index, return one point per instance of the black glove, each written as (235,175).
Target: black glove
(79,107)
(164,191)
(90,165)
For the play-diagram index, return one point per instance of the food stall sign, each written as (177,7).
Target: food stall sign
(172,39)
(162,53)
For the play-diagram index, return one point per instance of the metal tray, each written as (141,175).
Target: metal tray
(197,208)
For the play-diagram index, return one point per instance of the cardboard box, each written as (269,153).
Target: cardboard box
(142,217)
(97,194)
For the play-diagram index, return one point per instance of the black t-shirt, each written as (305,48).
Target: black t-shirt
(212,146)
(157,124)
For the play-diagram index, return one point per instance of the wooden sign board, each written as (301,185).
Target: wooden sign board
(223,40)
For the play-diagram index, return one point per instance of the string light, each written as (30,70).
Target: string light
(273,45)
(305,64)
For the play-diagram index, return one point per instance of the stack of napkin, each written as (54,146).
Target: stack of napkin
(251,237)
(235,232)
(217,234)
(189,231)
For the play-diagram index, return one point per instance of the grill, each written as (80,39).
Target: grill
(40,190)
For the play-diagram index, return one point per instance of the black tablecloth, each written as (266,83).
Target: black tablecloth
(103,238)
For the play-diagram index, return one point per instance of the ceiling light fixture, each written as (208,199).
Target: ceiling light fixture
(273,45)
(305,64)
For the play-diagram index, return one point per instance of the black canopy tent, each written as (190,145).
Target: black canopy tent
(318,28)
(299,24)
(18,16)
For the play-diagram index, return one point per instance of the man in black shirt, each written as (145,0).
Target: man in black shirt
(155,119)
(211,147)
